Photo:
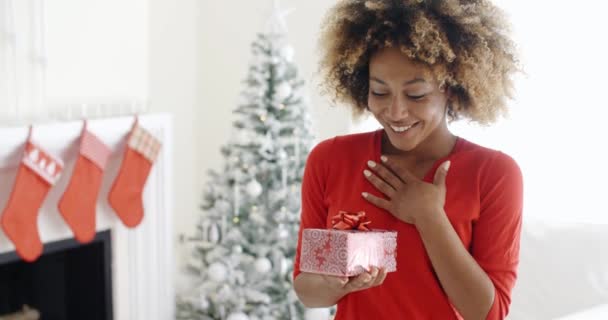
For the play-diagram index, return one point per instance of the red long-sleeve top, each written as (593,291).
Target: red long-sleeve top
(483,203)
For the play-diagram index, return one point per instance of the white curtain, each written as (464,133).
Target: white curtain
(22,60)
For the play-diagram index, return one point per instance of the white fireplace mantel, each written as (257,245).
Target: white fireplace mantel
(142,258)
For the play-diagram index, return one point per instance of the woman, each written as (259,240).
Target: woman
(456,206)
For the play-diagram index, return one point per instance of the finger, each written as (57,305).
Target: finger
(380,278)
(441,174)
(385,174)
(379,183)
(361,281)
(378,202)
(376,276)
(375,272)
(342,281)
(403,173)
(339,282)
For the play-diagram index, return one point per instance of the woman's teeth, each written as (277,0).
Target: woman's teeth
(401,129)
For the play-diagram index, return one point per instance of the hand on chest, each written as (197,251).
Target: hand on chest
(399,187)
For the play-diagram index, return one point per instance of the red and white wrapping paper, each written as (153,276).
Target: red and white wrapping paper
(347,252)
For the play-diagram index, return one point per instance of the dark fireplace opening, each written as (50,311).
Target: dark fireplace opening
(69,281)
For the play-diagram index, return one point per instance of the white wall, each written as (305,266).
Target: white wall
(96,49)
(174,86)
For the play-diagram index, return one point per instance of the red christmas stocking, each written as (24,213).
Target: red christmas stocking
(126,193)
(77,205)
(37,173)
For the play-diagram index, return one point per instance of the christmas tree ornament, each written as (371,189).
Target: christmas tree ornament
(126,193)
(283,233)
(217,272)
(79,200)
(254,188)
(37,172)
(237,316)
(284,90)
(262,265)
(282,155)
(213,233)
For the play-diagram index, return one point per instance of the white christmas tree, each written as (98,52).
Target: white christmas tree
(243,259)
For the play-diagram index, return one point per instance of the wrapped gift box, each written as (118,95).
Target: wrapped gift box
(347,252)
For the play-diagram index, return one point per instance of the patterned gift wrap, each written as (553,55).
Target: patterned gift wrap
(347,252)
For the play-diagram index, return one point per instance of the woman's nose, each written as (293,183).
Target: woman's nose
(398,108)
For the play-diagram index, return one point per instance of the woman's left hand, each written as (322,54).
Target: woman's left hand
(409,199)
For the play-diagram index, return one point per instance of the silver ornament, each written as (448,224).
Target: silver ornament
(254,188)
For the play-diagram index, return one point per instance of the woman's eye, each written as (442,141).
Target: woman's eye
(379,94)
(419,97)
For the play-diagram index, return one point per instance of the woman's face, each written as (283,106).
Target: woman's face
(405,98)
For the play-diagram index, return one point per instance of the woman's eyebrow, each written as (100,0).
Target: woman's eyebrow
(415,80)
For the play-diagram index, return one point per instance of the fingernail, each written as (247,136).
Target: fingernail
(383,158)
(367,173)
(371,164)
(364,194)
(446,165)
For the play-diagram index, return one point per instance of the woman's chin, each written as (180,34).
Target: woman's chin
(406,141)
(401,144)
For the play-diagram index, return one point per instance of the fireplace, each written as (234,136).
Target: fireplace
(69,281)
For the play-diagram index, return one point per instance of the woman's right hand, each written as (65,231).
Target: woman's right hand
(365,280)
(318,291)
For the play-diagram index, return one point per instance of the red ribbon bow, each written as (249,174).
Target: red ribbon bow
(350,221)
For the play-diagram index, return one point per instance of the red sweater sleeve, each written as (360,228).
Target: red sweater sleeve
(496,234)
(314,206)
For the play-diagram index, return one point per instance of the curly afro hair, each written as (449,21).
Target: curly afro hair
(464,42)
